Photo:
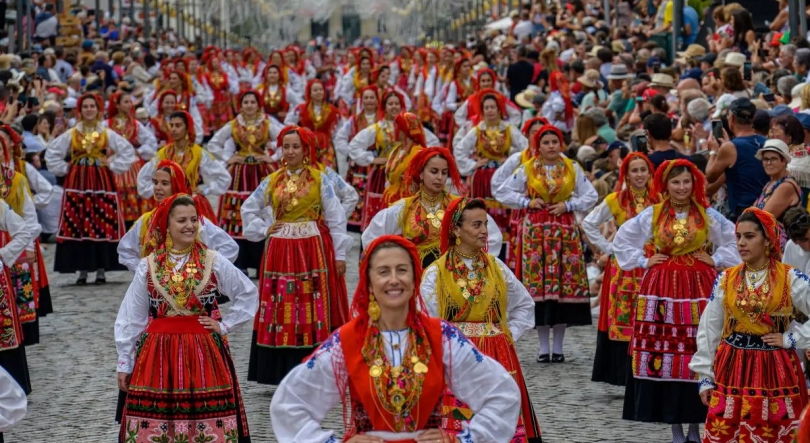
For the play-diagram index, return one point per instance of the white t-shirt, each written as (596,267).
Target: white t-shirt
(796,257)
(524,28)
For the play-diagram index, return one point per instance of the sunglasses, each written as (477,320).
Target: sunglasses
(803,220)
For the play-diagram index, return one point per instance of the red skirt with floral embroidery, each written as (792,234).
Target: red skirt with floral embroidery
(132,204)
(760,393)
(183,387)
(372,199)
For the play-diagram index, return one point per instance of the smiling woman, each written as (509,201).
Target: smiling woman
(782,192)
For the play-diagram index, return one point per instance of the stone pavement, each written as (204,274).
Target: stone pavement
(75,388)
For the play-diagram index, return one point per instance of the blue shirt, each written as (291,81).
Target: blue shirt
(32,143)
(690,17)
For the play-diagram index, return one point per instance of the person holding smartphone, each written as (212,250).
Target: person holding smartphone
(659,132)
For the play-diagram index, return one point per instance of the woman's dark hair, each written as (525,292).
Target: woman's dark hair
(750,217)
(181,115)
(253,93)
(676,171)
(743,22)
(48,115)
(383,68)
(184,200)
(792,127)
(659,102)
(797,223)
(475,203)
(732,79)
(488,97)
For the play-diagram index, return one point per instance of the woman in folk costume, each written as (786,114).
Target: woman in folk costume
(381,77)
(425,88)
(452,96)
(372,147)
(320,117)
(205,96)
(278,98)
(224,89)
(559,109)
(295,210)
(247,145)
(12,349)
(206,175)
(171,336)
(676,286)
(11,144)
(746,347)
(252,65)
(485,148)
(503,173)
(418,217)
(550,187)
(298,64)
(410,136)
(478,294)
(159,124)
(486,82)
(617,298)
(169,179)
(358,77)
(393,362)
(288,77)
(122,121)
(357,175)
(184,100)
(91,222)
(403,72)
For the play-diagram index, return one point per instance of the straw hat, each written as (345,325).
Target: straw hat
(663,81)
(524,99)
(591,79)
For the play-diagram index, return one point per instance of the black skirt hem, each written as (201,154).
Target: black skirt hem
(16,364)
(551,313)
(268,366)
(670,402)
(74,256)
(250,254)
(610,360)
(45,302)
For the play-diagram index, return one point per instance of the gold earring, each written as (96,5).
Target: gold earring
(458,241)
(373,308)
(169,241)
(767,253)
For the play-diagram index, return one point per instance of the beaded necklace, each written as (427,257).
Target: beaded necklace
(752,300)
(180,284)
(433,208)
(471,281)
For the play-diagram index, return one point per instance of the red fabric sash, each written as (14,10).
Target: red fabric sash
(361,385)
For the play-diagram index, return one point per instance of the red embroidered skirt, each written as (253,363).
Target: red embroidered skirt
(481,187)
(357,176)
(90,204)
(183,387)
(760,393)
(133,205)
(495,344)
(372,200)
(245,178)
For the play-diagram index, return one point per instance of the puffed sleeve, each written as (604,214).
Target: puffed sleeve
(146,188)
(590,225)
(42,188)
(427,289)
(216,178)
(395,73)
(430,138)
(196,117)
(342,137)
(519,304)
(31,220)
(56,152)
(13,402)
(628,244)
(346,193)
(430,83)
(514,115)
(216,145)
(438,100)
(723,235)
(519,141)
(584,196)
(150,102)
(124,152)
(149,144)
(292,117)
(307,394)
(215,238)
(293,99)
(494,237)
(133,316)
(506,170)
(243,293)
(335,218)
(129,247)
(385,222)
(512,191)
(460,116)
(710,331)
(484,385)
(463,152)
(450,101)
(257,215)
(406,97)
(21,234)
(358,147)
(799,335)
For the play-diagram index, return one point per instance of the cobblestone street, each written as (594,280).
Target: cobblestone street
(75,390)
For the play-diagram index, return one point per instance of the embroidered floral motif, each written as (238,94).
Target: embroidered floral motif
(451,332)
(324,348)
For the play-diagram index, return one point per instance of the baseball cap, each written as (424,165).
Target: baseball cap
(780,110)
(709,58)
(743,108)
(804,119)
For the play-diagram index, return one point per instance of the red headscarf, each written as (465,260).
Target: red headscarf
(421,159)
(559,82)
(112,104)
(772,231)
(310,84)
(375,74)
(698,180)
(475,110)
(451,217)
(388,95)
(482,72)
(97,98)
(527,126)
(624,193)
(180,186)
(159,223)
(163,95)
(282,73)
(16,148)
(457,66)
(189,126)
(307,142)
(411,126)
(535,141)
(252,92)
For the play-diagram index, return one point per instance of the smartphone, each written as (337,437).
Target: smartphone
(717,129)
(770,98)
(656,67)
(747,71)
(639,143)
